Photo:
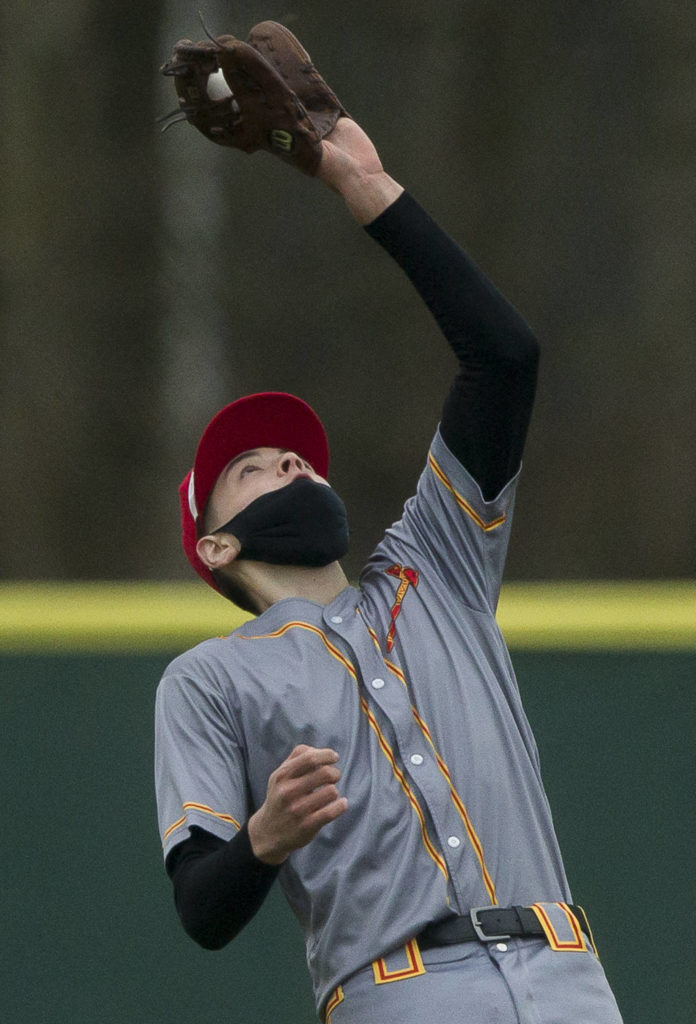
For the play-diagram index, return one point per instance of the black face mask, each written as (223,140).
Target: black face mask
(303,523)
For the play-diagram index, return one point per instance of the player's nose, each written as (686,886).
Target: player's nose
(290,462)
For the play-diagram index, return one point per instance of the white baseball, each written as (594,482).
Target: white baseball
(218,89)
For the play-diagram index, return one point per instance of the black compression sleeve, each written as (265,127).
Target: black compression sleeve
(218,885)
(486,414)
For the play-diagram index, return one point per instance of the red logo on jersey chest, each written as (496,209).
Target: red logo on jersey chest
(407,578)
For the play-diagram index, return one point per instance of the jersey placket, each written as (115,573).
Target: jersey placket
(415,756)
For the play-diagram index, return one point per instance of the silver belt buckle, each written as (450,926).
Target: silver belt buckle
(478,927)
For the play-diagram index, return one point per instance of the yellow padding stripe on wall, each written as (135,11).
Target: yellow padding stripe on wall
(143,618)
(111,617)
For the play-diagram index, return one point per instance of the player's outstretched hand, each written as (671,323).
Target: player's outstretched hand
(347,152)
(301,798)
(351,166)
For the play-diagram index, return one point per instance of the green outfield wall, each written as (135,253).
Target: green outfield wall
(608,675)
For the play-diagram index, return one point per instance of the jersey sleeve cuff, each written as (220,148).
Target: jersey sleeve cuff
(224,826)
(463,485)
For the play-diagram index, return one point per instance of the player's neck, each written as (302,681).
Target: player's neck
(267,584)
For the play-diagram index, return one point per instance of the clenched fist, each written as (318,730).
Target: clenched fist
(300,799)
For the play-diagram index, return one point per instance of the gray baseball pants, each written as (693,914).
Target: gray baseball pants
(520,981)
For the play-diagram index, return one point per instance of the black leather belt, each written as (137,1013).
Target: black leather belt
(490,924)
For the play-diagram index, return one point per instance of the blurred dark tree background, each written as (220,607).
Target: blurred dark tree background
(147,279)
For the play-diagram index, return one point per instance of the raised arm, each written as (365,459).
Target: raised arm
(487,412)
(266,94)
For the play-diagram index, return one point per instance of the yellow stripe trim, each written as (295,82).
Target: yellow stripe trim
(461,501)
(386,749)
(173,828)
(576,945)
(462,811)
(394,669)
(333,651)
(456,799)
(335,999)
(389,754)
(382,974)
(190,805)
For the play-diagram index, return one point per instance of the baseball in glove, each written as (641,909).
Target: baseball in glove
(261,94)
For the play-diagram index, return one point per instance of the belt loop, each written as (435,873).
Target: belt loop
(518,915)
(546,913)
(413,969)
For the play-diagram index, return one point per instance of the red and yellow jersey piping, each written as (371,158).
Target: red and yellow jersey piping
(461,501)
(430,847)
(456,799)
(192,805)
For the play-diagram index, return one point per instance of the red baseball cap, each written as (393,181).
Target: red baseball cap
(270,419)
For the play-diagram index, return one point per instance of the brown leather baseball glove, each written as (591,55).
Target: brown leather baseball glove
(261,94)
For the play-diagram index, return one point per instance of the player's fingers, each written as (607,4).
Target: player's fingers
(327,814)
(300,749)
(291,791)
(315,822)
(325,775)
(305,759)
(306,806)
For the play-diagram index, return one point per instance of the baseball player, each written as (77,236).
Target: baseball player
(366,746)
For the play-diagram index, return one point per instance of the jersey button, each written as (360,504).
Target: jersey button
(416,759)
(378,683)
(337,619)
(454,842)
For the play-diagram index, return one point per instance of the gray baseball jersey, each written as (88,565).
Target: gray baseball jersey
(409,679)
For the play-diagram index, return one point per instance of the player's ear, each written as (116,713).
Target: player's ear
(216,550)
